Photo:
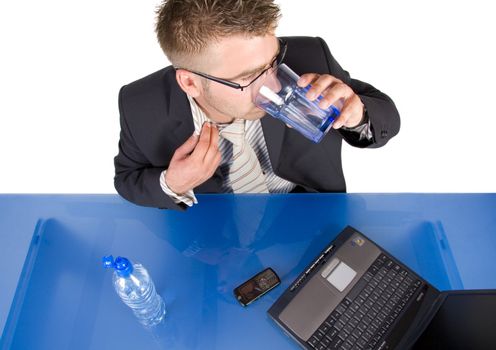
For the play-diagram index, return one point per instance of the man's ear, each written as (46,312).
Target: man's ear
(188,82)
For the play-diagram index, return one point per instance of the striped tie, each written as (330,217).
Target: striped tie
(245,173)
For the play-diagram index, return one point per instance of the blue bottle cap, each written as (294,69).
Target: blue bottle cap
(122,266)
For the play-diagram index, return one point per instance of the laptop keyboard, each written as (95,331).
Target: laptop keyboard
(363,318)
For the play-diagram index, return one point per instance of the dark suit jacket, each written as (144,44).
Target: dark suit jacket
(156,119)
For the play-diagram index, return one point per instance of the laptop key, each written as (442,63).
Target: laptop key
(383,285)
(376,323)
(395,284)
(354,307)
(372,328)
(362,326)
(319,335)
(345,319)
(332,334)
(390,319)
(381,302)
(389,264)
(339,325)
(341,309)
(349,314)
(353,338)
(324,328)
(358,316)
(346,302)
(359,300)
(387,293)
(346,346)
(373,269)
(367,320)
(368,276)
(347,329)
(330,321)
(368,334)
(383,330)
(321,346)
(335,314)
(369,303)
(313,341)
(378,263)
(371,315)
(383,272)
(326,341)
(356,290)
(368,290)
(362,342)
(376,309)
(336,343)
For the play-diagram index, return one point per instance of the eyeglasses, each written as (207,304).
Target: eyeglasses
(275,63)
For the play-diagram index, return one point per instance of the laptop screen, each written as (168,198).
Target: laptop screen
(464,321)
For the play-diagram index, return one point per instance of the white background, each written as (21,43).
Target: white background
(63,62)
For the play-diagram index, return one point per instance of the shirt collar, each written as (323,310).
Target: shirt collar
(199,117)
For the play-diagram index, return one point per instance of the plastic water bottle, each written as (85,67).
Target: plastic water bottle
(136,289)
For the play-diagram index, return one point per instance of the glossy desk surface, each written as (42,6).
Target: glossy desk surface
(56,295)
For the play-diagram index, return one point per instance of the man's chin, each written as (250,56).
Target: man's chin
(256,114)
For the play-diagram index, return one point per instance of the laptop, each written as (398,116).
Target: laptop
(355,295)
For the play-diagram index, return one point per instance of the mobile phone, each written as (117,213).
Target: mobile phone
(256,286)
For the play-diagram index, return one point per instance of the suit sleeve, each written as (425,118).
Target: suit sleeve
(381,111)
(135,178)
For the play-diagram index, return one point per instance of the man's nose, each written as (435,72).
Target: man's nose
(272,82)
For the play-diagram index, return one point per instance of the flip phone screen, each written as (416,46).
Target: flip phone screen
(256,286)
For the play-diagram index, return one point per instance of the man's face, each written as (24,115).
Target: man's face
(238,59)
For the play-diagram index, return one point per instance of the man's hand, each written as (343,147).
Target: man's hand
(195,161)
(332,89)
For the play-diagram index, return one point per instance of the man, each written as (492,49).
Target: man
(177,124)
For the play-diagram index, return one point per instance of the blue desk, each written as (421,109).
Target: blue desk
(64,299)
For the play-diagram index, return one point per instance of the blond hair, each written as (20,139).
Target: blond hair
(186,27)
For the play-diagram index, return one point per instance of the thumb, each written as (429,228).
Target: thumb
(187,147)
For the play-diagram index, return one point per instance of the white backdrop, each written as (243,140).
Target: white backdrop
(62,64)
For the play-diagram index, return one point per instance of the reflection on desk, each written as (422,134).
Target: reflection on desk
(197,257)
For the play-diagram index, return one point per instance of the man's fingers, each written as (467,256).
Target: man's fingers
(213,165)
(306,79)
(203,143)
(351,114)
(320,85)
(213,147)
(186,148)
(333,94)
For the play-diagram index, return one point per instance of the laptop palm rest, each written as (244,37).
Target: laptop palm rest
(328,286)
(310,308)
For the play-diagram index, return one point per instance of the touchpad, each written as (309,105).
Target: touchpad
(311,306)
(341,276)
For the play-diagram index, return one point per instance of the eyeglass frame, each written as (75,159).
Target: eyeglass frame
(283,46)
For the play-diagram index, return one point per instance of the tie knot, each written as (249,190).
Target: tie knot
(234,132)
